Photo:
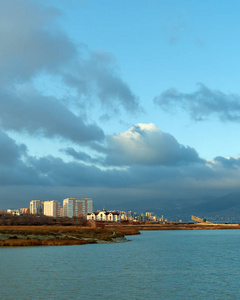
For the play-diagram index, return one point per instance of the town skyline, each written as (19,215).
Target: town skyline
(134,103)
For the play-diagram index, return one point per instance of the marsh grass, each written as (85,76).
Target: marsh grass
(12,236)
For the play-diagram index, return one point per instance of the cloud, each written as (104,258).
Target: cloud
(32,44)
(175,32)
(82,156)
(34,49)
(10,152)
(227,162)
(13,167)
(31,41)
(202,104)
(26,110)
(146,144)
(172,182)
(96,75)
(133,185)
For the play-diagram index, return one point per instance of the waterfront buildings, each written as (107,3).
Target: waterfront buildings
(71,207)
(77,207)
(61,211)
(25,211)
(14,212)
(51,208)
(36,207)
(104,215)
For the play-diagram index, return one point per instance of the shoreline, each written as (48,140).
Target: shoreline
(172,226)
(22,236)
(54,235)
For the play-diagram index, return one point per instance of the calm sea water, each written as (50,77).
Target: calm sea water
(154,265)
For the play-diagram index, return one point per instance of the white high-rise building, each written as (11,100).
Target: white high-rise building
(75,207)
(36,207)
(52,208)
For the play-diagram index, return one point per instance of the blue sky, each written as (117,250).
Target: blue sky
(122,101)
(167,44)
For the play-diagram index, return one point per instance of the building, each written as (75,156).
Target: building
(110,216)
(36,207)
(51,208)
(25,211)
(14,212)
(61,211)
(77,207)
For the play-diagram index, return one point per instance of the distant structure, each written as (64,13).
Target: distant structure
(25,211)
(104,215)
(51,208)
(150,217)
(77,207)
(199,220)
(36,207)
(14,212)
(61,211)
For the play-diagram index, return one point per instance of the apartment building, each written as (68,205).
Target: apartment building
(51,208)
(25,211)
(76,207)
(36,207)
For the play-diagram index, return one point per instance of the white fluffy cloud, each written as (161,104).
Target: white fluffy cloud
(146,144)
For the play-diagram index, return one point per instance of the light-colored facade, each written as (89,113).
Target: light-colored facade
(110,216)
(51,208)
(77,207)
(61,211)
(14,212)
(36,207)
(25,211)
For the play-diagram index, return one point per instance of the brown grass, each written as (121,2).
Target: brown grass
(36,242)
(135,228)
(64,235)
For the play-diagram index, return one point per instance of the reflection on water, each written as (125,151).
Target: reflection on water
(154,265)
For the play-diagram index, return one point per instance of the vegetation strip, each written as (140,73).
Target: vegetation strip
(56,235)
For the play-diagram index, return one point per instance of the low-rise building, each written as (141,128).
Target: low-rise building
(14,212)
(110,216)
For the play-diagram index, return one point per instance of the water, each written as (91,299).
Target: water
(154,265)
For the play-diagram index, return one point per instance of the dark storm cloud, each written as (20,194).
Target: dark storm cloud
(146,144)
(27,110)
(60,173)
(175,181)
(202,104)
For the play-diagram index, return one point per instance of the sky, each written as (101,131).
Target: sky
(126,102)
